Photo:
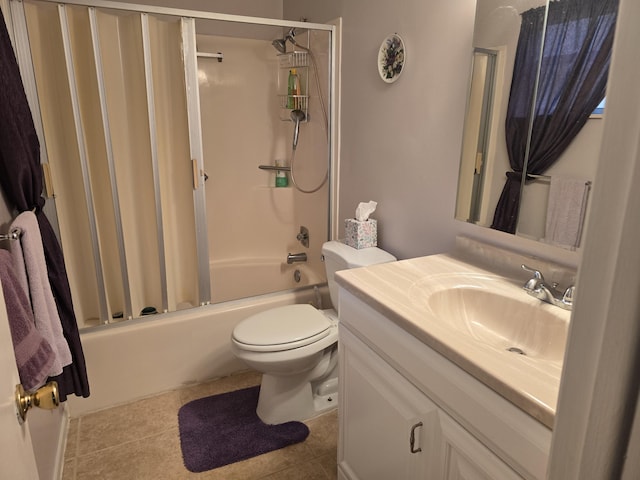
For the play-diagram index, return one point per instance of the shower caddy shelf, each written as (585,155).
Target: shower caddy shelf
(300,61)
(274,168)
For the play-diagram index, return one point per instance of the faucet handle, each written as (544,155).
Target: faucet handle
(567,298)
(536,273)
(533,283)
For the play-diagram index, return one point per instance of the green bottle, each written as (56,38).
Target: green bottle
(281,176)
(293,89)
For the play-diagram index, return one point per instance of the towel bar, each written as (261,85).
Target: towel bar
(533,176)
(13,235)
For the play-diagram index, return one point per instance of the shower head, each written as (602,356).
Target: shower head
(280,44)
(297,116)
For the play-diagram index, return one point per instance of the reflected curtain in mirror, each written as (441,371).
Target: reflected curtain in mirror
(571,83)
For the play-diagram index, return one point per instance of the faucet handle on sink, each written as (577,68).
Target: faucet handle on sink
(569,293)
(537,287)
(534,282)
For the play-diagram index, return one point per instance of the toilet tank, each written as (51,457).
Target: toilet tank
(338,256)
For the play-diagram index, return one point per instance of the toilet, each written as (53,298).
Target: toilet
(296,346)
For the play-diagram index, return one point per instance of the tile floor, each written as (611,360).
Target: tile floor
(140,441)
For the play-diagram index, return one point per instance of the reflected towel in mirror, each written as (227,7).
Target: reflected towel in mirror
(566,211)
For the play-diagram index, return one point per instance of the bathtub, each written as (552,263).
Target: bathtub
(150,355)
(245,277)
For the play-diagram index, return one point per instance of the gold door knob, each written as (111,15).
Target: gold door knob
(45,397)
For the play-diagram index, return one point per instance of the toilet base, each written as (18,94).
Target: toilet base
(289,398)
(324,403)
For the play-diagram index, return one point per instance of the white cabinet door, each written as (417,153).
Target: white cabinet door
(465,458)
(388,427)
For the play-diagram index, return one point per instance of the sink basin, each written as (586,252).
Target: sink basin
(477,316)
(512,322)
(494,313)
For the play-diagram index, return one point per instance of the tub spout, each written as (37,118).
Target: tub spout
(296,257)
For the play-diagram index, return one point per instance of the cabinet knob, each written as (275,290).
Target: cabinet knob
(412,438)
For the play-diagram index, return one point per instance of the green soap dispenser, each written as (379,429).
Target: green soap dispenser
(281,175)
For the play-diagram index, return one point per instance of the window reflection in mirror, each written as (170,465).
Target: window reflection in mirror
(599,111)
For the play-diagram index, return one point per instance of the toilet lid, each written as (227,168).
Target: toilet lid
(282,328)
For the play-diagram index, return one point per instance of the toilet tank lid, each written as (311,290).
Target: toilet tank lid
(356,257)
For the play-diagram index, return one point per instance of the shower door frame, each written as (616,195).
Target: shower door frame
(187,19)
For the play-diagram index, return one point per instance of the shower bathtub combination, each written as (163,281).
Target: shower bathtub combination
(153,123)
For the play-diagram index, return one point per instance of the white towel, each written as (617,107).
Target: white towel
(31,270)
(566,211)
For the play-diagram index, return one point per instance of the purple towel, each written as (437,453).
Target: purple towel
(31,270)
(34,355)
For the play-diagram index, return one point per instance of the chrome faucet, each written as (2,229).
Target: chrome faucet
(537,287)
(296,257)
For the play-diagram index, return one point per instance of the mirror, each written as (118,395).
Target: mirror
(551,195)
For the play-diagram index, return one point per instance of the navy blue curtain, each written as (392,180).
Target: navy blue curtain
(573,79)
(21,181)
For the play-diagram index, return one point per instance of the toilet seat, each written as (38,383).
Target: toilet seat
(282,328)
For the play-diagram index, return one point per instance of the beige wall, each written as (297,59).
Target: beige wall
(5,215)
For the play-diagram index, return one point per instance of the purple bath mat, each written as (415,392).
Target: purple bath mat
(223,429)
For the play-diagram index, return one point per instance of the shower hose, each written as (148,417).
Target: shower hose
(325,126)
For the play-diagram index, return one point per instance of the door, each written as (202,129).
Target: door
(16,452)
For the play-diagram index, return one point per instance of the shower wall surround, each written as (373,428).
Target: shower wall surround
(248,220)
(138,225)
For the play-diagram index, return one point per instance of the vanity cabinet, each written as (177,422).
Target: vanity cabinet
(406,412)
(391,424)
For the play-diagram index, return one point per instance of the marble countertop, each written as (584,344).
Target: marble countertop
(397,290)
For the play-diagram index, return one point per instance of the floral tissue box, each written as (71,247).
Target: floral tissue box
(361,234)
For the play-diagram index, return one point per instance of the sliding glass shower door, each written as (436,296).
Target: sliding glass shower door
(125,112)
(113,105)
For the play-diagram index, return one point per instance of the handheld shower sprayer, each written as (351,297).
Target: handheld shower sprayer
(297,116)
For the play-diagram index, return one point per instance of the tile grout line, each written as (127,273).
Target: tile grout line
(138,439)
(74,458)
